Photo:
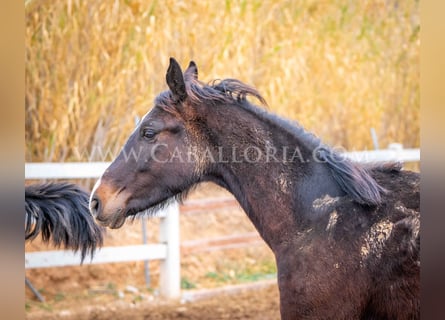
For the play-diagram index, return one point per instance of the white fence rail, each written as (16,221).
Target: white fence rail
(396,153)
(82,170)
(65,170)
(63,258)
(167,250)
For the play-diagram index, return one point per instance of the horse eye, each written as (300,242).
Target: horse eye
(148,133)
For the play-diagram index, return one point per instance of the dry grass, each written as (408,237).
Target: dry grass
(338,67)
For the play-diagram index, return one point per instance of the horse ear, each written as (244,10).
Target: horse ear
(175,81)
(191,72)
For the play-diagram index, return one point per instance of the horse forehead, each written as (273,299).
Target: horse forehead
(150,114)
(158,114)
(145,116)
(147,119)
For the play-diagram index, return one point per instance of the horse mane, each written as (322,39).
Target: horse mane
(235,90)
(59,212)
(353,178)
(216,91)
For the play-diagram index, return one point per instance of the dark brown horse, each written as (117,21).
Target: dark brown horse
(345,236)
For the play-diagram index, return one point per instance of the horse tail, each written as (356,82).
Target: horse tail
(59,212)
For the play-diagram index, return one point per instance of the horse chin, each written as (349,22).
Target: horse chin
(114,222)
(148,208)
(117,222)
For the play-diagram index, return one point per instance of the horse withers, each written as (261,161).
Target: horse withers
(345,236)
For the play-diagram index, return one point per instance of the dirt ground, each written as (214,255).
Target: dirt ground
(236,283)
(253,303)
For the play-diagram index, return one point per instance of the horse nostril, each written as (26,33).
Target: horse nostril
(95,205)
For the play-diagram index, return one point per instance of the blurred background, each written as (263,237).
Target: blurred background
(338,67)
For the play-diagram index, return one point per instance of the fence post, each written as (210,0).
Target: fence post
(170,278)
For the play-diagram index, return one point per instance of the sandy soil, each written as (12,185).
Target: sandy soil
(260,302)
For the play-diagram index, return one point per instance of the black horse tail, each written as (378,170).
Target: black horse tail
(59,212)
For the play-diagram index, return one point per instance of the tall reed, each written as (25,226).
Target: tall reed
(338,67)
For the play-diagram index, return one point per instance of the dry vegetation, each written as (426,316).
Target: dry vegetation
(338,67)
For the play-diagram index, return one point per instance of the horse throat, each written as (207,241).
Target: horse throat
(276,195)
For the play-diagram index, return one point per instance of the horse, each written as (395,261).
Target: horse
(59,213)
(345,235)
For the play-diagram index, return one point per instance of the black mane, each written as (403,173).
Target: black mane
(353,178)
(224,91)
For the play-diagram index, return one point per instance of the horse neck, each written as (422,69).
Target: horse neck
(276,195)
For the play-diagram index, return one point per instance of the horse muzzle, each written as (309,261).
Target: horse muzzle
(107,204)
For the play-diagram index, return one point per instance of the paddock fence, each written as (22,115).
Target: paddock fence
(168,248)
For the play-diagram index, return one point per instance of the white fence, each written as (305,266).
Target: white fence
(167,250)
